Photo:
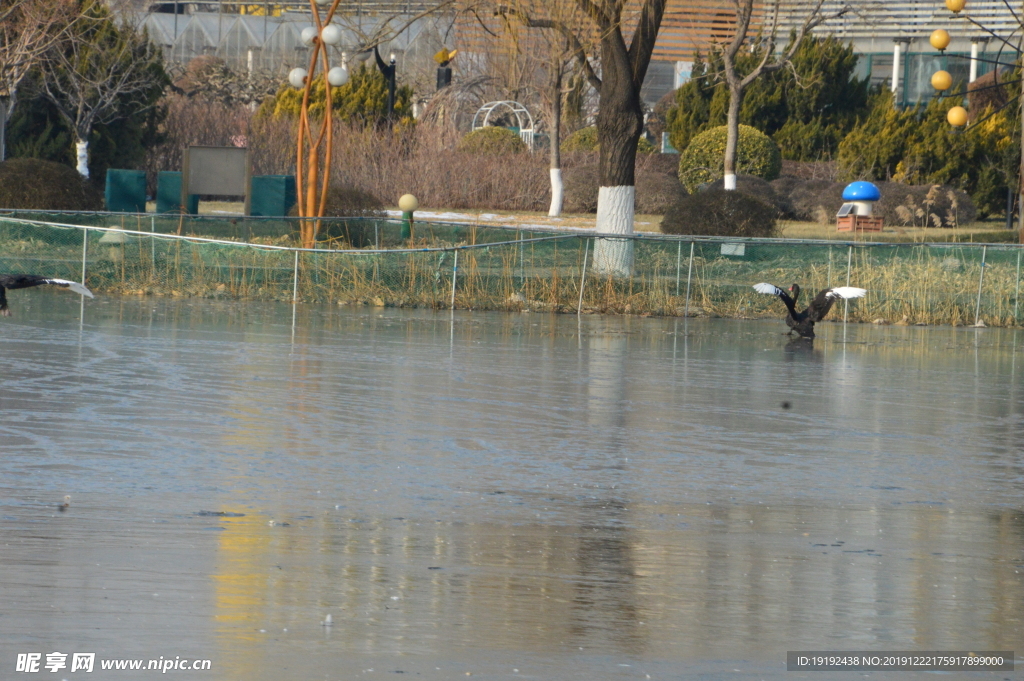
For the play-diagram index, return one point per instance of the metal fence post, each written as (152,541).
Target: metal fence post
(455,276)
(981,280)
(295,281)
(85,250)
(1016,295)
(522,272)
(689,274)
(583,277)
(849,266)
(679,262)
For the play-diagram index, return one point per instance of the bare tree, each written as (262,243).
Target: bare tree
(27,30)
(616,69)
(765,43)
(556,55)
(96,70)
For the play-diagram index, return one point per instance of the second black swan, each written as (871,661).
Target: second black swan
(12,281)
(803,322)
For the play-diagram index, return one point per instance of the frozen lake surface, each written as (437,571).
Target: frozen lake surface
(507,496)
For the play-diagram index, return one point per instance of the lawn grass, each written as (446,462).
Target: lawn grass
(978,232)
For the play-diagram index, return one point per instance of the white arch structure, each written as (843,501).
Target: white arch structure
(524,121)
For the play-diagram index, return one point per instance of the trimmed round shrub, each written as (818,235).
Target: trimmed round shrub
(34,184)
(585,139)
(492,140)
(703,160)
(344,201)
(717,212)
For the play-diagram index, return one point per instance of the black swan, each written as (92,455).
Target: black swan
(28,280)
(803,322)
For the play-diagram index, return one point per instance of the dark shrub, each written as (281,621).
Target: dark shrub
(580,185)
(656,190)
(349,202)
(34,184)
(716,212)
(662,163)
(783,188)
(759,189)
(816,200)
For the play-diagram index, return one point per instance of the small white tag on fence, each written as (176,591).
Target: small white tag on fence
(734,249)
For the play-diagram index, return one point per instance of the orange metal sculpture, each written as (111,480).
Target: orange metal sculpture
(311,188)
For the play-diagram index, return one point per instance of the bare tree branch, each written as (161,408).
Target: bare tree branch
(641,47)
(769,62)
(28,28)
(98,68)
(574,42)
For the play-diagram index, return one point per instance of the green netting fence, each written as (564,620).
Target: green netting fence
(497,268)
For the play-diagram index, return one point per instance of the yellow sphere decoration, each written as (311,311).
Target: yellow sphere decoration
(408,203)
(939,39)
(941,80)
(955,6)
(957,116)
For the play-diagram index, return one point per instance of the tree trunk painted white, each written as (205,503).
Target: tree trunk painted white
(615,209)
(732,138)
(555,150)
(82,150)
(556,193)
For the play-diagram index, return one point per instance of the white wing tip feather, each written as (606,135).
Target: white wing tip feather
(768,289)
(73,285)
(848,292)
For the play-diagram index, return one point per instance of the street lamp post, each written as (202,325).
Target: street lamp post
(389,73)
(311,190)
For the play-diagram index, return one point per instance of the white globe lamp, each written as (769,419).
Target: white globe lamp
(337,76)
(308,35)
(297,77)
(331,35)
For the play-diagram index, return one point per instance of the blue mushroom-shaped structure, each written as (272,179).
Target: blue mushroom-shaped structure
(861,191)
(856,213)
